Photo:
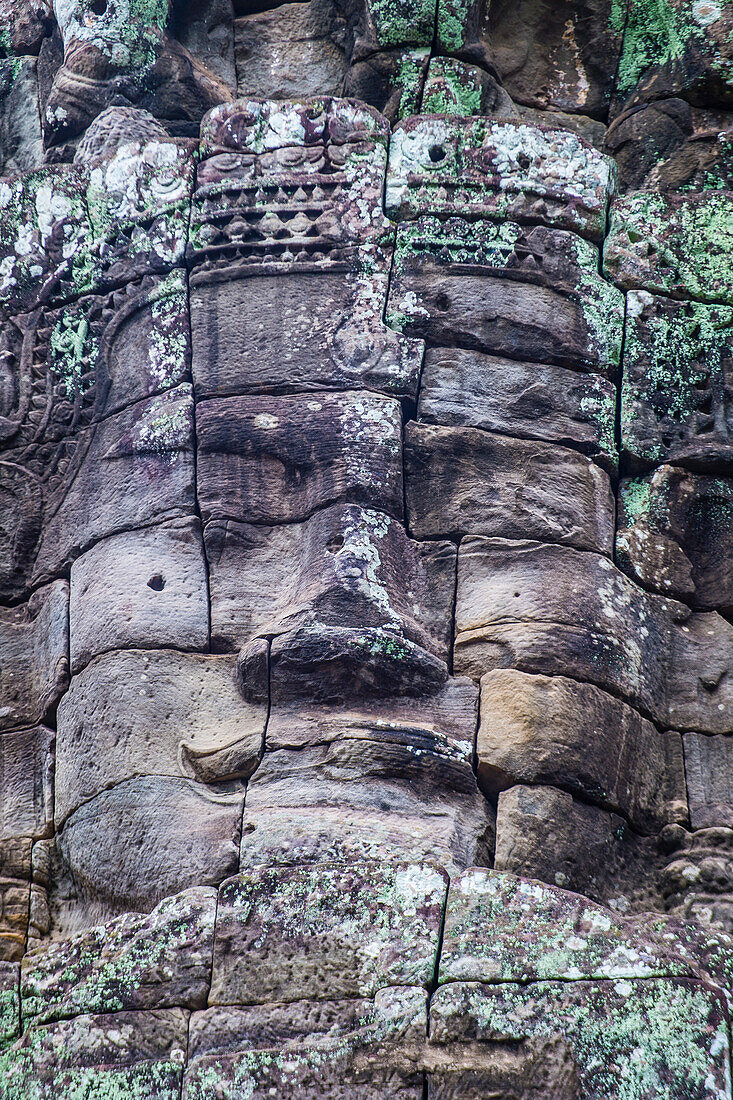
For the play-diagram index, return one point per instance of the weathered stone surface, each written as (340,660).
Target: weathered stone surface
(697,886)
(460,480)
(354,781)
(148,837)
(139,203)
(290,51)
(547,55)
(140,588)
(278,459)
(342,593)
(700,673)
(311,1048)
(672,244)
(592,624)
(138,464)
(670,145)
(25,24)
(709,771)
(678,366)
(121,1054)
(681,49)
(552,730)
(392,80)
(327,931)
(502,928)
(35,664)
(129,60)
(454,87)
(20,120)
(114,127)
(675,535)
(530,293)
(26,783)
(526,400)
(537,830)
(206,29)
(254,125)
(658,1038)
(133,962)
(502,168)
(153,712)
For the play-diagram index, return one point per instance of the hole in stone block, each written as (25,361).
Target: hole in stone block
(157,582)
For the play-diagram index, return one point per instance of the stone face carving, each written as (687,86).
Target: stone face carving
(364,498)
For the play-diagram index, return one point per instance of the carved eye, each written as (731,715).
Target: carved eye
(436,153)
(98,8)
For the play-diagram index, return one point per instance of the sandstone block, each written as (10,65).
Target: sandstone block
(672,244)
(659,1037)
(311,1048)
(678,363)
(709,772)
(156,712)
(496,167)
(140,588)
(391,80)
(556,731)
(593,624)
(537,830)
(526,400)
(454,87)
(670,145)
(326,930)
(685,53)
(528,293)
(557,611)
(120,1054)
(14,918)
(137,466)
(564,56)
(132,962)
(26,783)
(466,481)
(503,928)
(279,459)
(286,53)
(20,119)
(697,884)
(257,126)
(151,836)
(346,590)
(35,662)
(675,535)
(45,224)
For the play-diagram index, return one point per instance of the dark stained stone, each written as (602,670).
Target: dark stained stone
(709,772)
(278,459)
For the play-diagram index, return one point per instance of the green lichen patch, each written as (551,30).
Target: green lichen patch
(133,961)
(689,40)
(452,88)
(628,1040)
(681,246)
(127,32)
(410,76)
(677,357)
(452,24)
(403,22)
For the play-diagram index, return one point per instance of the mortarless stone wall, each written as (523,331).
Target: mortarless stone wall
(366,525)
